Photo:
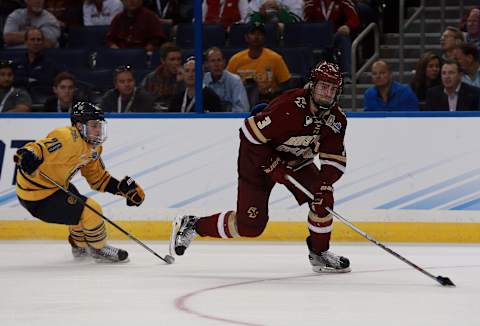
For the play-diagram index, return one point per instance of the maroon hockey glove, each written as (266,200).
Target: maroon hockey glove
(27,160)
(277,170)
(129,189)
(322,200)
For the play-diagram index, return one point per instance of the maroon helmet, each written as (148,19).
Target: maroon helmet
(326,72)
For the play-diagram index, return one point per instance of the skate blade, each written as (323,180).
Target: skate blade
(330,270)
(177,221)
(108,261)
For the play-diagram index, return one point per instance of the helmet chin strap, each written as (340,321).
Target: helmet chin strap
(321,108)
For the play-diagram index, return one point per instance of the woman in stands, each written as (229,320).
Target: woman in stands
(427,74)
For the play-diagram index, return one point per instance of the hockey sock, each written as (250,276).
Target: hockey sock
(77,235)
(320,229)
(93,225)
(220,225)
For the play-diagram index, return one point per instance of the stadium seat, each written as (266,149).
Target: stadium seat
(213,35)
(87,37)
(315,35)
(112,58)
(98,80)
(71,59)
(14,55)
(237,33)
(299,60)
(229,52)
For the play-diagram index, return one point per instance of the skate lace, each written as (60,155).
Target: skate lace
(330,258)
(109,251)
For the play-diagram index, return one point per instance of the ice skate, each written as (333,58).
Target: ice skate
(78,252)
(108,254)
(327,261)
(183,232)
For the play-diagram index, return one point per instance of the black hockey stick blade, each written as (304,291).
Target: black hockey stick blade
(445,281)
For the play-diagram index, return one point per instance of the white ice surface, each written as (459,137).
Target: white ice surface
(231,283)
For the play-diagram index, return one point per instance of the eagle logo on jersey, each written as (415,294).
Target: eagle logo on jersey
(335,126)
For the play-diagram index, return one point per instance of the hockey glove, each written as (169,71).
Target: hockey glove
(322,200)
(129,189)
(277,170)
(26,160)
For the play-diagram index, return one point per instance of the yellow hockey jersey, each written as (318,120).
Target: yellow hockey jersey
(64,153)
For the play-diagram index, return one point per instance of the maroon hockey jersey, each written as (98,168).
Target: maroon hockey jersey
(287,129)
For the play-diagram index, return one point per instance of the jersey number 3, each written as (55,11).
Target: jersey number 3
(265,122)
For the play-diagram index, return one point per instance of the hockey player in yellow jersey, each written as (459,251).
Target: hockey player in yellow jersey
(60,155)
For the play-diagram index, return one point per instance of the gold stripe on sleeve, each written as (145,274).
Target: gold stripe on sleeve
(339,158)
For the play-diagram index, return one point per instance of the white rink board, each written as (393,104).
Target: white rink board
(399,168)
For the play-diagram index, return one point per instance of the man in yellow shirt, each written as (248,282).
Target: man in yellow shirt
(261,65)
(60,155)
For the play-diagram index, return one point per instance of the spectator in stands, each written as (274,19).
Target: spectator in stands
(427,75)
(275,11)
(100,12)
(135,27)
(260,66)
(20,20)
(226,12)
(453,95)
(184,101)
(473,27)
(172,12)
(343,15)
(64,86)
(451,38)
(12,99)
(387,94)
(35,69)
(227,86)
(467,56)
(67,12)
(126,97)
(162,83)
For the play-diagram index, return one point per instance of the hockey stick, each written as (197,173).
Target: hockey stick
(168,259)
(445,281)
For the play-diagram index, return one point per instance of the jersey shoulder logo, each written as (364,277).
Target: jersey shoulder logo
(335,126)
(301,102)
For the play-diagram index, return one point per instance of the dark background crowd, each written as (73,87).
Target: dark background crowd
(136,55)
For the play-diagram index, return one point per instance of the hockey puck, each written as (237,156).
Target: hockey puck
(169,259)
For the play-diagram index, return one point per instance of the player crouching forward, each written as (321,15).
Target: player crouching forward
(60,156)
(283,139)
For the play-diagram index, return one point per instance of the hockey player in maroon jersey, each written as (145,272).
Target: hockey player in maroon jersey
(283,139)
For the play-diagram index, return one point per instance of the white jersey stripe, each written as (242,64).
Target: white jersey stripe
(316,229)
(248,135)
(220,227)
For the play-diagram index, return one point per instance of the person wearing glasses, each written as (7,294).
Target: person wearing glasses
(126,96)
(12,99)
